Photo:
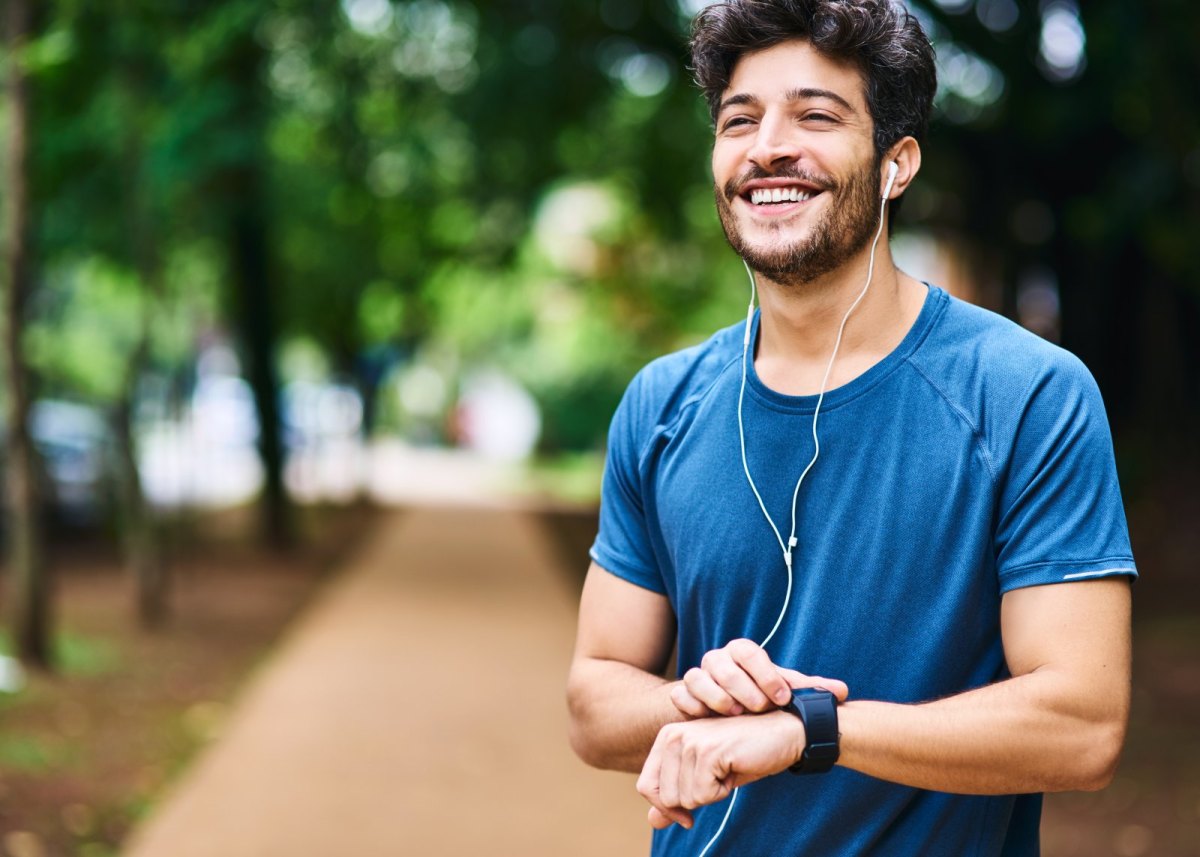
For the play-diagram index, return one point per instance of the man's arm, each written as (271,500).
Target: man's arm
(616,695)
(1057,724)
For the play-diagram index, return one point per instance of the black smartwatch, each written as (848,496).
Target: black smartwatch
(817,710)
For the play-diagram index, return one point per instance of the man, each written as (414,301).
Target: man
(953,567)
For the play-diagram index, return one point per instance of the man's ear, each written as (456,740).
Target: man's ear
(907,155)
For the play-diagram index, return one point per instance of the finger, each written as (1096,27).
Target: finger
(647,781)
(687,777)
(731,678)
(798,680)
(701,685)
(660,820)
(668,772)
(648,785)
(756,663)
(687,704)
(709,777)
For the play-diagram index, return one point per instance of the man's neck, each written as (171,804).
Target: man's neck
(799,324)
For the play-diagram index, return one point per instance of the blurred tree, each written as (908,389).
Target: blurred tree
(233,61)
(94,339)
(30,596)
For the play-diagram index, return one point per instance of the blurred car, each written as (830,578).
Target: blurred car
(319,412)
(76,461)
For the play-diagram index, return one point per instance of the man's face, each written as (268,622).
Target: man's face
(795,172)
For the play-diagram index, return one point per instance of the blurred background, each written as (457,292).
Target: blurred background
(272,267)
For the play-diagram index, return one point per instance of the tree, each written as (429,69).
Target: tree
(26,565)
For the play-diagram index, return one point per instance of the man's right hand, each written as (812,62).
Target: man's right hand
(739,678)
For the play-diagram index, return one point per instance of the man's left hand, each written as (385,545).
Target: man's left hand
(739,678)
(700,762)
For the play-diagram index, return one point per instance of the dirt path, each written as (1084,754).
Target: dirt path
(416,709)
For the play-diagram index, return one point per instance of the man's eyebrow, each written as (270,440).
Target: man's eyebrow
(806,93)
(734,100)
(801,94)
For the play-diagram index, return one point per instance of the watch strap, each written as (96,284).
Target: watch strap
(817,710)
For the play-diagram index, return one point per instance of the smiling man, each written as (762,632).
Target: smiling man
(881,528)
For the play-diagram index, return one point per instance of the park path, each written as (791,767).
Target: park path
(415,708)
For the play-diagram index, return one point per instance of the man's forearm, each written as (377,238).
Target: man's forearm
(616,711)
(1026,734)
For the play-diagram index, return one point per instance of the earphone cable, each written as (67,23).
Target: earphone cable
(791,542)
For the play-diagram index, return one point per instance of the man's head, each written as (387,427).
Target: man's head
(807,99)
(880,37)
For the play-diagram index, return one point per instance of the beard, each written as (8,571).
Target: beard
(848,224)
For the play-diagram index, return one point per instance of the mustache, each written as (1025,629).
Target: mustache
(733,187)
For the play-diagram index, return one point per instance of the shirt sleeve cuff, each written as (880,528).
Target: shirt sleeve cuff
(1068,571)
(613,564)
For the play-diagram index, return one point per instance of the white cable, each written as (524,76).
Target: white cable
(791,542)
(721,829)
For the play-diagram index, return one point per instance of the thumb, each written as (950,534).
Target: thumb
(797,680)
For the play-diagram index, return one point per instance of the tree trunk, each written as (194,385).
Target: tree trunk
(30,598)
(145,560)
(139,532)
(251,272)
(251,279)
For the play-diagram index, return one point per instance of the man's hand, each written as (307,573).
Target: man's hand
(740,678)
(700,762)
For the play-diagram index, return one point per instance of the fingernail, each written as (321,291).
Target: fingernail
(782,696)
(736,709)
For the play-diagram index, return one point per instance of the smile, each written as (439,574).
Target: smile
(770,196)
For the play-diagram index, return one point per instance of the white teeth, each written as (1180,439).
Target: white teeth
(763,196)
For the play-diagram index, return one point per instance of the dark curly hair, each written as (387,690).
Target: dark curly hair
(881,37)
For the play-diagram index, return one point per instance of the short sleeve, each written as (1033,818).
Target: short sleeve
(1060,513)
(623,545)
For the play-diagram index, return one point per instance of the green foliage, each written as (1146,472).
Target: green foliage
(77,654)
(28,753)
(418,152)
(85,341)
(82,655)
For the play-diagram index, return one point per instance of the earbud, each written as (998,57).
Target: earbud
(893,168)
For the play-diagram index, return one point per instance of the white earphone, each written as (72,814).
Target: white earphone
(788,546)
(893,168)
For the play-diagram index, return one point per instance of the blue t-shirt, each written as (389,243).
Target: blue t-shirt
(972,460)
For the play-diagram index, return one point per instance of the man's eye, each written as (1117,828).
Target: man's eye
(819,117)
(736,121)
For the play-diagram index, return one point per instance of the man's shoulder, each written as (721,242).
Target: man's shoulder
(668,385)
(1001,379)
(982,349)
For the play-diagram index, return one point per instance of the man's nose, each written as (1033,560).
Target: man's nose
(776,142)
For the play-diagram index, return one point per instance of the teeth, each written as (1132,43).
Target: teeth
(763,196)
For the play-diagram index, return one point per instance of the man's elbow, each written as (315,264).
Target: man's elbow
(1097,766)
(580,725)
(581,739)
(585,748)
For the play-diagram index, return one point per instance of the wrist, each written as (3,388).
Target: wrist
(795,737)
